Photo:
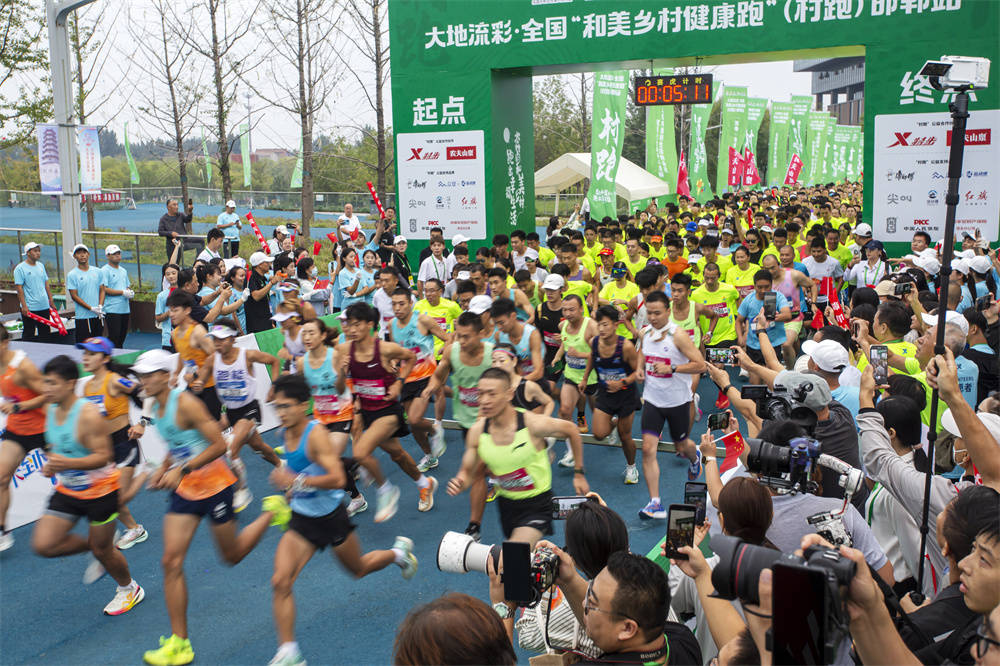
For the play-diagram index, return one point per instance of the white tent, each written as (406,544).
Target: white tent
(632,183)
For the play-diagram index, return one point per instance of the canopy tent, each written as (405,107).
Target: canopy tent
(632,182)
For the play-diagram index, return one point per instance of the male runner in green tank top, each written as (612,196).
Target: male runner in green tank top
(510,445)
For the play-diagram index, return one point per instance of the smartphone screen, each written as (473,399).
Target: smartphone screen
(718,421)
(680,529)
(879,360)
(563,506)
(771,305)
(799,614)
(695,494)
(724,356)
(517,572)
(903,288)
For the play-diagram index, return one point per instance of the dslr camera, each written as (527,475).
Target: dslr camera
(809,618)
(777,405)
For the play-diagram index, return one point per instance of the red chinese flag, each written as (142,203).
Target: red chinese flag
(735,168)
(333,237)
(817,322)
(750,175)
(734,444)
(317,246)
(683,187)
(794,167)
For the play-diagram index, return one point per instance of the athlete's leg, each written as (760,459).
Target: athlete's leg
(379,434)
(439,404)
(568,397)
(400,456)
(788,347)
(52,537)
(257,443)
(241,433)
(365,459)
(358,563)
(528,535)
(291,556)
(650,467)
(235,544)
(601,424)
(420,427)
(124,515)
(101,540)
(11,455)
(625,435)
(178,530)
(477,495)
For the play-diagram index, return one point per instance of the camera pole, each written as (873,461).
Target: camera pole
(959,116)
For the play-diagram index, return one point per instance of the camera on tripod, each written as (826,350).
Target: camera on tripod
(809,617)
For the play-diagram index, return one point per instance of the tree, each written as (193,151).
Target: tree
(556,129)
(311,56)
(22,25)
(169,103)
(368,33)
(207,32)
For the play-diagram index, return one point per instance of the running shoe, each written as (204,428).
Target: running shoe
(474,531)
(242,499)
(125,599)
(426,502)
(6,541)
(631,475)
(438,445)
(567,460)
(428,462)
(653,510)
(614,439)
(173,651)
(722,402)
(386,502)
(694,471)
(94,571)
(581,423)
(357,505)
(409,565)
(287,658)
(281,513)
(137,534)
(239,468)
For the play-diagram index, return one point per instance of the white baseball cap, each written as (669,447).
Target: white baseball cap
(283,316)
(988,419)
(980,264)
(112,249)
(153,361)
(220,332)
(464,275)
(531,253)
(258,258)
(767,229)
(950,317)
(230,204)
(863,230)
(694,258)
(79,246)
(399,239)
(553,281)
(480,304)
(960,265)
(928,264)
(282,229)
(30,246)
(458,239)
(828,355)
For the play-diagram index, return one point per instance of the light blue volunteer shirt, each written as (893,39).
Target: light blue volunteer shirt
(32,279)
(233,232)
(165,327)
(968,379)
(88,287)
(749,309)
(115,278)
(848,396)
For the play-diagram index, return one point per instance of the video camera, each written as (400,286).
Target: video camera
(776,405)
(526,575)
(809,617)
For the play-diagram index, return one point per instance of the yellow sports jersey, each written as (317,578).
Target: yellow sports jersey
(723,261)
(741,279)
(444,313)
(724,301)
(611,292)
(581,289)
(907,350)
(843,255)
(771,250)
(545,256)
(636,266)
(658,254)
(588,262)
(592,251)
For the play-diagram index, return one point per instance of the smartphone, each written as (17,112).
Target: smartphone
(984,302)
(771,305)
(718,421)
(855,329)
(753,391)
(516,575)
(801,608)
(563,506)
(903,288)
(680,529)
(879,359)
(723,356)
(696,494)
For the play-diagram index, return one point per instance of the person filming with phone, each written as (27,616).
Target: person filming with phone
(776,312)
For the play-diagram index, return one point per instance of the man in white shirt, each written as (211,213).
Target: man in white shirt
(213,246)
(820,265)
(517,248)
(433,266)
(230,224)
(348,224)
(451,260)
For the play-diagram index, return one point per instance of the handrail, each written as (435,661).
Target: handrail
(101,233)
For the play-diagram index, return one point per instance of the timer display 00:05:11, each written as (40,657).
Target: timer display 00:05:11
(678,93)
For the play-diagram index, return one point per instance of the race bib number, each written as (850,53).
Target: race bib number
(527,366)
(468,396)
(576,362)
(744,291)
(369,388)
(651,362)
(551,339)
(326,404)
(516,481)
(181,453)
(74,479)
(720,309)
(97,401)
(612,375)
(231,390)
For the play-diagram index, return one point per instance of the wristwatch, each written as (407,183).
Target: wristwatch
(502,609)
(578,470)
(708,459)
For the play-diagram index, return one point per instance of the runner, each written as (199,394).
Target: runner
(109,390)
(668,356)
(193,348)
(790,283)
(314,477)
(418,333)
(524,338)
(368,361)
(576,332)
(618,294)
(547,317)
(444,312)
(686,314)
(289,320)
(617,362)
(235,382)
(200,485)
(723,299)
(528,395)
(523,473)
(464,360)
(22,388)
(82,460)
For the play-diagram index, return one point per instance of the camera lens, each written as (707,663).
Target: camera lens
(740,563)
(768,459)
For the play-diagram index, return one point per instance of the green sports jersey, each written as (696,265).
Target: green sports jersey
(724,301)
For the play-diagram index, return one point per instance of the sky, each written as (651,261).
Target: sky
(274,128)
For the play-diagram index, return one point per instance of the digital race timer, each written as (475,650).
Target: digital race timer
(679,89)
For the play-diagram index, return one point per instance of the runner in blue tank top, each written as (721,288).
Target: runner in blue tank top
(314,478)
(528,343)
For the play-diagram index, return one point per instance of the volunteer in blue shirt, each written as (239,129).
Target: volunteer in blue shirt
(33,293)
(746,326)
(230,224)
(115,296)
(83,284)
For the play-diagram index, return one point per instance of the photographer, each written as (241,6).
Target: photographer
(624,610)
(455,629)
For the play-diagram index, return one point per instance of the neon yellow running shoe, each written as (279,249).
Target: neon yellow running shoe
(174,651)
(281,513)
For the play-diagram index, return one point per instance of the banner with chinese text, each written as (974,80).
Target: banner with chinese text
(733,132)
(607,136)
(701,188)
(797,125)
(90,159)
(777,142)
(133,171)
(661,149)
(756,107)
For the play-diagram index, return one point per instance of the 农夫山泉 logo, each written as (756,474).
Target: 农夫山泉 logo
(461,153)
